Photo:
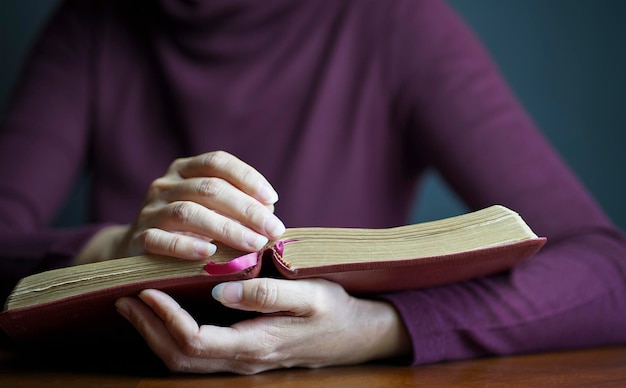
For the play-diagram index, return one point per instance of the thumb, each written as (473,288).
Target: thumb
(266,295)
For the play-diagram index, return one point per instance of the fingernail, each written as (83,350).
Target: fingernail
(254,240)
(267,194)
(204,249)
(274,227)
(228,292)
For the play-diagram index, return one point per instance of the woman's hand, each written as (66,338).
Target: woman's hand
(213,196)
(308,323)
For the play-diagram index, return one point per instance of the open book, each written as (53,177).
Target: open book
(362,260)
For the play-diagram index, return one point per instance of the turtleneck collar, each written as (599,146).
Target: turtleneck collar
(225,15)
(209,29)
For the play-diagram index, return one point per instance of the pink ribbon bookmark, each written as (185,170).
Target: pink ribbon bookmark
(235,265)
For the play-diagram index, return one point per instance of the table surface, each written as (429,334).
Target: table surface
(605,367)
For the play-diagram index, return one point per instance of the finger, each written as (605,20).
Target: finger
(189,218)
(158,337)
(154,332)
(221,196)
(212,342)
(160,242)
(228,167)
(177,320)
(267,295)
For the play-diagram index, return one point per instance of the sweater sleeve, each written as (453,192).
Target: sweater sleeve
(463,120)
(43,147)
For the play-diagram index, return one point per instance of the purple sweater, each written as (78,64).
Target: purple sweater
(342,105)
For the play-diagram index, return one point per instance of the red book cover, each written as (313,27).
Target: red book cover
(96,309)
(66,301)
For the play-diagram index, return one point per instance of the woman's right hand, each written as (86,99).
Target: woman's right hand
(210,197)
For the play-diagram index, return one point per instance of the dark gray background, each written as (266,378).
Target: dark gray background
(565,60)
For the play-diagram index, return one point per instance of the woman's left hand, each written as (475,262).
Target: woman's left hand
(307,323)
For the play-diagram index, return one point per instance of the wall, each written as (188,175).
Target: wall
(564,59)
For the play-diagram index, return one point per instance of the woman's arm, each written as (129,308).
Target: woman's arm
(43,146)
(465,121)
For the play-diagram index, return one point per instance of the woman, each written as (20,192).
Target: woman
(213,108)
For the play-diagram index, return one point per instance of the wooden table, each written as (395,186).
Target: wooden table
(605,367)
